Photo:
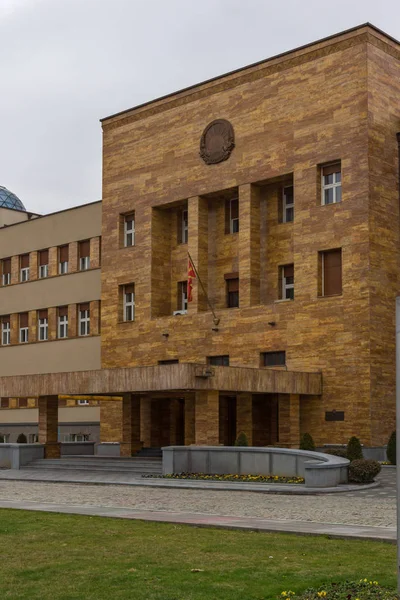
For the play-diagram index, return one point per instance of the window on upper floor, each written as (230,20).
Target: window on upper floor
(288,204)
(232,290)
(331,178)
(23,328)
(83,402)
(5,330)
(273,359)
(287,282)
(62,322)
(84,319)
(22,402)
(84,255)
(182,303)
(43,264)
(129,229)
(330,272)
(218,361)
(24,267)
(43,325)
(6,271)
(5,403)
(183,226)
(128,300)
(63,258)
(232,215)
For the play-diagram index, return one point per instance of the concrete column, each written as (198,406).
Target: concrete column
(198,249)
(48,425)
(145,422)
(189,420)
(244,415)
(289,420)
(130,442)
(207,418)
(249,245)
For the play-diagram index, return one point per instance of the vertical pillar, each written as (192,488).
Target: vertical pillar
(244,415)
(130,442)
(189,420)
(289,420)
(48,425)
(249,245)
(73,257)
(15,269)
(207,418)
(111,420)
(52,320)
(72,320)
(95,252)
(173,421)
(198,249)
(145,422)
(33,265)
(95,317)
(53,261)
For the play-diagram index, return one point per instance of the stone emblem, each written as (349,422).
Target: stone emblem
(217,142)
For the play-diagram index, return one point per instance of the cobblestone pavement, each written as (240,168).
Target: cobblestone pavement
(374,508)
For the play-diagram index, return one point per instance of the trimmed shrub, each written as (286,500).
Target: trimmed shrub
(363,470)
(307,442)
(241,439)
(354,450)
(21,439)
(391,449)
(342,452)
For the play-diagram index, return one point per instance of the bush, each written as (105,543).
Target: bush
(391,449)
(342,452)
(241,439)
(365,588)
(307,442)
(363,470)
(21,439)
(354,450)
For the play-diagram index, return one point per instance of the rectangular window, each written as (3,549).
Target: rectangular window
(273,359)
(182,304)
(22,402)
(288,204)
(5,331)
(84,255)
(287,277)
(331,177)
(6,271)
(43,264)
(183,226)
(232,216)
(43,325)
(129,302)
(129,230)
(4,438)
(84,319)
(24,267)
(5,403)
(76,437)
(219,361)
(62,325)
(83,402)
(33,438)
(63,257)
(169,361)
(232,290)
(23,328)
(331,272)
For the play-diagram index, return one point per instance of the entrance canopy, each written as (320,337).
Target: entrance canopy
(161,378)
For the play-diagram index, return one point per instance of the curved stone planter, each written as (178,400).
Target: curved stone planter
(318,469)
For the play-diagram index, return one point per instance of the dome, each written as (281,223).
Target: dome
(10,200)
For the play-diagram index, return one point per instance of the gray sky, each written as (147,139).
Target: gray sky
(67,63)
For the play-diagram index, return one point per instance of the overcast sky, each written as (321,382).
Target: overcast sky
(64,64)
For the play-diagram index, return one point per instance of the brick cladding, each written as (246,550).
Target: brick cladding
(338,104)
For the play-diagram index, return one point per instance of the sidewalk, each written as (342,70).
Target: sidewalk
(383,534)
(102,478)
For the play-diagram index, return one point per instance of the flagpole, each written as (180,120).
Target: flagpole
(216,320)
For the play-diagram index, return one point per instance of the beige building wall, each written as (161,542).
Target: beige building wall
(9,216)
(73,414)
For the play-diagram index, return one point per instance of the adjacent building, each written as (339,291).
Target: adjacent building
(249,262)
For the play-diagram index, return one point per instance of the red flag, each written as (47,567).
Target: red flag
(191,275)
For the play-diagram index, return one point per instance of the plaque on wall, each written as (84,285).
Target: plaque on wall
(217,142)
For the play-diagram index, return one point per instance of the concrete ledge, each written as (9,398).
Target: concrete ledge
(80,448)
(108,449)
(319,470)
(15,456)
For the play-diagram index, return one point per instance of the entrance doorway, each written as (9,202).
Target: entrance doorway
(227,420)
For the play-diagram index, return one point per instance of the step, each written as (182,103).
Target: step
(95,465)
(132,472)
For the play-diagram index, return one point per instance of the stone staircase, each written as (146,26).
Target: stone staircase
(131,467)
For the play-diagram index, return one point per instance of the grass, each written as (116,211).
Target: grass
(47,556)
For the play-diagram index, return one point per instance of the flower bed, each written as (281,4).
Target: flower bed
(230,477)
(349,590)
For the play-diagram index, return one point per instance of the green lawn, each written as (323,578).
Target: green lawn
(48,556)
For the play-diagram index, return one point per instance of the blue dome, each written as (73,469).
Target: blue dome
(10,200)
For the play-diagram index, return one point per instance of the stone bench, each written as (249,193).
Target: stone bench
(318,469)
